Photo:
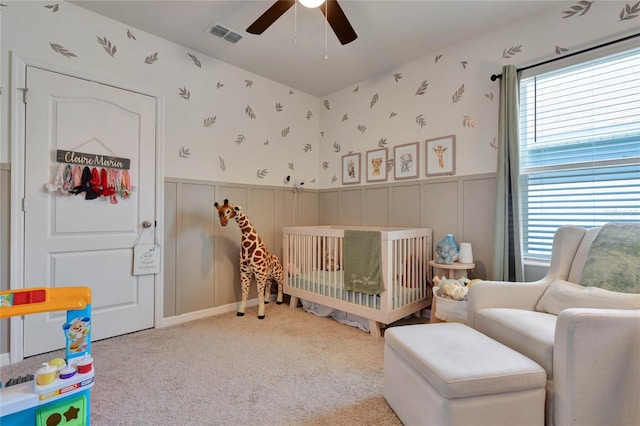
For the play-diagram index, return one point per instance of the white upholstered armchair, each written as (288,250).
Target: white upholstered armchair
(587,339)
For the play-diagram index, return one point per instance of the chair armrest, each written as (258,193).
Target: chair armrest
(503,294)
(596,360)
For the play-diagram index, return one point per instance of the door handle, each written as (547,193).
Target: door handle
(147,224)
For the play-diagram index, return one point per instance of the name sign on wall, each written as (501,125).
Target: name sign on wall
(94,160)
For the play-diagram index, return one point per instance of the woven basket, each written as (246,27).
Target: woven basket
(450,310)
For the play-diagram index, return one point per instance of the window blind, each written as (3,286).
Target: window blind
(579,148)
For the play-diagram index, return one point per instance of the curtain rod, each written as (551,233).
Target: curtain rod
(494,77)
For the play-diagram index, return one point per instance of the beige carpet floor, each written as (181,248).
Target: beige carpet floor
(292,368)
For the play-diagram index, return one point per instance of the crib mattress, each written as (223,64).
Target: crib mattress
(330,284)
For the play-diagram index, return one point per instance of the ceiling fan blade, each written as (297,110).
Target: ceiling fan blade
(270,16)
(338,21)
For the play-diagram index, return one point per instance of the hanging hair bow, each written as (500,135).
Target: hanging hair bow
(109,184)
(59,181)
(85,186)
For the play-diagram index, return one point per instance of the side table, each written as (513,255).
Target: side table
(451,271)
(453,268)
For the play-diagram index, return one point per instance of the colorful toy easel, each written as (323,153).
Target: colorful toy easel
(61,397)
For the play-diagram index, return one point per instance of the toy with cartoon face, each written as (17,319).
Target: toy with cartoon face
(77,331)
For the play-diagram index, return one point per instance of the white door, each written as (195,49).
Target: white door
(71,241)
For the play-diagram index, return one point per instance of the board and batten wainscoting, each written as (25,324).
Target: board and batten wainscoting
(201,271)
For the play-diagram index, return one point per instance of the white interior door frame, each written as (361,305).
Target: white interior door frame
(17,135)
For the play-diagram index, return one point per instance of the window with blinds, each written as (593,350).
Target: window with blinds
(579,148)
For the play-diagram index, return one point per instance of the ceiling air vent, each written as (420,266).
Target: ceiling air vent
(225,33)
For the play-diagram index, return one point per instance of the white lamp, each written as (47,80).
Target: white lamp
(311,3)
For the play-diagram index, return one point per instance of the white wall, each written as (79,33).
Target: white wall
(469,63)
(28,28)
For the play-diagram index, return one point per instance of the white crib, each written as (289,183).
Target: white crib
(313,259)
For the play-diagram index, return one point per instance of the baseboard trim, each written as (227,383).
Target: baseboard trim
(205,313)
(5,359)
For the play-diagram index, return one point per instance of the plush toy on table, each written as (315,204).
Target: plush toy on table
(452,288)
(255,259)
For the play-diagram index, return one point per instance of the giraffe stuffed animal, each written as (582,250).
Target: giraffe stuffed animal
(255,259)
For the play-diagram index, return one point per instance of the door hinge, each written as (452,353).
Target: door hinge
(23,205)
(24,94)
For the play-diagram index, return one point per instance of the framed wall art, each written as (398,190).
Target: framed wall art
(441,156)
(406,161)
(377,165)
(351,168)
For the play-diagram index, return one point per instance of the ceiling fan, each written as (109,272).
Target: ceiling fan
(331,10)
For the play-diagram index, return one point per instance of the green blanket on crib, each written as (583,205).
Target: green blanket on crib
(363,262)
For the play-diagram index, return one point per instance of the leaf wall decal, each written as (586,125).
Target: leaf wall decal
(291,92)
(421,121)
(464,64)
(423,88)
(458,94)
(261,173)
(184,93)
(278,107)
(374,100)
(325,165)
(334,179)
(307,147)
(223,165)
(195,60)
(151,58)
(291,165)
(356,89)
(250,112)
(489,96)
(438,57)
(219,85)
(582,6)
(308,115)
(630,12)
(240,139)
(266,143)
(493,143)
(248,83)
(509,53)
(285,132)
(184,152)
(209,121)
(53,7)
(560,50)
(107,46)
(362,128)
(61,50)
(130,35)
(393,114)
(382,142)
(397,76)
(326,104)
(345,117)
(336,147)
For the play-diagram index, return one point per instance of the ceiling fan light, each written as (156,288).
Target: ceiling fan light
(311,3)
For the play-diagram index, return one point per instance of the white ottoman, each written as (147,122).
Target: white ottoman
(450,374)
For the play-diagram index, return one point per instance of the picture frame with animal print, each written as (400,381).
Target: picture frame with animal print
(441,156)
(377,165)
(406,161)
(351,168)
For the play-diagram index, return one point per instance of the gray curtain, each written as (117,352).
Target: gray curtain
(507,258)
